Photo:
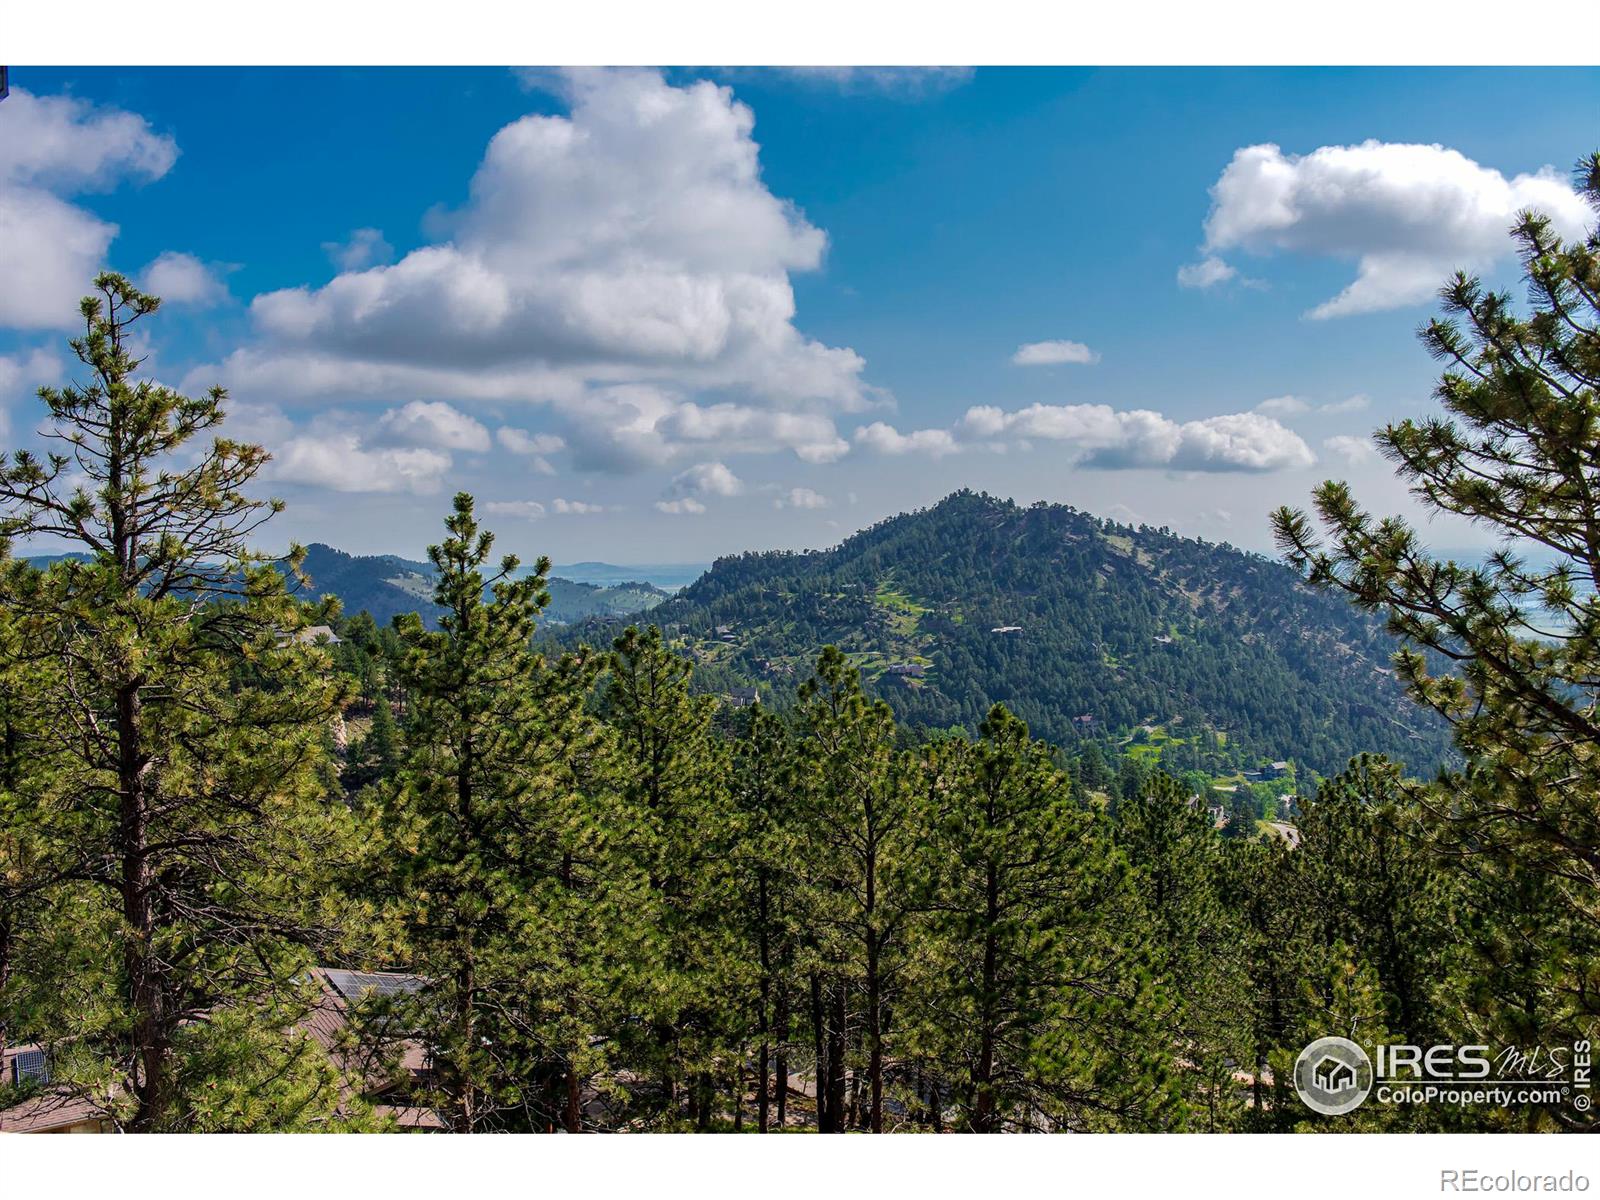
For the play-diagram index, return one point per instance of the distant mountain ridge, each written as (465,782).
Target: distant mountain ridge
(386,586)
(669,577)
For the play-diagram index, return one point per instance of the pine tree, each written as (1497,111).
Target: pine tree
(1197,964)
(862,830)
(462,846)
(672,773)
(187,724)
(1027,991)
(1507,651)
(769,896)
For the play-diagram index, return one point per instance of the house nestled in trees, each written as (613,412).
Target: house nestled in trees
(387,1083)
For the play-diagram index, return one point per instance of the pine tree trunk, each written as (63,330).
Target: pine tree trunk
(151,1049)
(874,1034)
(574,1111)
(762,1098)
(836,1053)
(466,1117)
(781,1063)
(819,1071)
(983,1116)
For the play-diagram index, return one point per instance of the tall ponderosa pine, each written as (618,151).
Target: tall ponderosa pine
(187,728)
(672,776)
(1029,979)
(1508,651)
(860,821)
(463,848)
(1197,965)
(767,859)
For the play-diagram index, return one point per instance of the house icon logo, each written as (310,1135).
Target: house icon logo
(1333,1076)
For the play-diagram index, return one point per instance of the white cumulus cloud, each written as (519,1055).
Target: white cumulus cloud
(1043,354)
(364,248)
(706,479)
(520,441)
(433,423)
(55,147)
(1353,450)
(1293,406)
(1098,435)
(801,497)
(884,438)
(341,462)
(1206,273)
(1407,215)
(623,264)
(184,279)
(524,510)
(21,373)
(687,506)
(575,508)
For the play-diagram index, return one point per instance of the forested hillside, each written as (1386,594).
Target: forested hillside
(1086,629)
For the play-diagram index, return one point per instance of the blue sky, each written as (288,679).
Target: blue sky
(591,328)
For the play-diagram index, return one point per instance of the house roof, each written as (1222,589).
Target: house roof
(327,1023)
(53,1108)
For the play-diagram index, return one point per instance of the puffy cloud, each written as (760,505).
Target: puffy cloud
(533,446)
(1293,406)
(184,279)
(687,506)
(340,461)
(532,510)
(1283,406)
(801,497)
(365,248)
(433,423)
(1236,442)
(1041,354)
(735,429)
(407,449)
(886,439)
(525,510)
(614,263)
(1100,436)
(58,146)
(1353,450)
(67,144)
(20,373)
(1206,273)
(263,424)
(1348,405)
(706,479)
(520,441)
(1408,214)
